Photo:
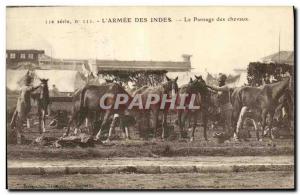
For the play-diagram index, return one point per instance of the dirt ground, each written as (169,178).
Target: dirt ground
(151,148)
(244,180)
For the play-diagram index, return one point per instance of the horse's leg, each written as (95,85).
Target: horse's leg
(112,126)
(74,115)
(105,119)
(195,116)
(270,125)
(164,124)
(240,121)
(14,119)
(263,121)
(155,113)
(43,121)
(204,120)
(256,129)
(123,127)
(40,120)
(179,115)
(27,122)
(20,120)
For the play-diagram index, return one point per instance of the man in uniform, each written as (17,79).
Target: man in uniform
(225,105)
(23,106)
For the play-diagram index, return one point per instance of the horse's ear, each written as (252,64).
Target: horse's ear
(176,79)
(47,80)
(168,79)
(191,80)
(198,77)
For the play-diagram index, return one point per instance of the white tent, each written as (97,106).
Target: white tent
(64,80)
(14,79)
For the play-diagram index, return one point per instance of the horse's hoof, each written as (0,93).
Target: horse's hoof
(96,138)
(127,139)
(106,141)
(260,140)
(192,139)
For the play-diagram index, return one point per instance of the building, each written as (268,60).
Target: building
(23,58)
(98,65)
(169,66)
(37,59)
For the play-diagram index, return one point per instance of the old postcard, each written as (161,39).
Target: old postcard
(102,98)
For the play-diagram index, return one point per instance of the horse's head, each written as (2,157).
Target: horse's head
(171,86)
(198,85)
(44,93)
(109,80)
(44,82)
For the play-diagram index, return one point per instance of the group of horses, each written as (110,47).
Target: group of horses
(262,101)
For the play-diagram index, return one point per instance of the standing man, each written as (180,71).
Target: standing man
(54,91)
(225,105)
(23,106)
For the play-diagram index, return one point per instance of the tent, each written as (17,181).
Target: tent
(64,80)
(284,57)
(14,79)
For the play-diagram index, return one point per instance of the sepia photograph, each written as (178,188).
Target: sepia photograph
(150,98)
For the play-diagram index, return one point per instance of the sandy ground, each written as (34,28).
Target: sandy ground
(252,180)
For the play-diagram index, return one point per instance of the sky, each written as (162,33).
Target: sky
(219,46)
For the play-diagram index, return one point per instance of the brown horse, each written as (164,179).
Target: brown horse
(169,88)
(41,95)
(263,100)
(198,88)
(78,115)
(90,98)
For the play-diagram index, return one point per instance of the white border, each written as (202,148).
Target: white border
(5,3)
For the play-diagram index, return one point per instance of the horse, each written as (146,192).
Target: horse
(90,97)
(263,100)
(198,88)
(77,115)
(41,95)
(169,88)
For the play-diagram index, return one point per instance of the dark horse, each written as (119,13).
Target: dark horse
(169,88)
(198,88)
(263,100)
(41,95)
(89,103)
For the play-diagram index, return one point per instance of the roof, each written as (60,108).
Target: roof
(142,65)
(48,62)
(284,57)
(25,51)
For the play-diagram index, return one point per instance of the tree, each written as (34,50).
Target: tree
(256,71)
(138,78)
